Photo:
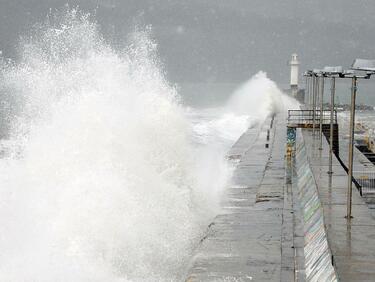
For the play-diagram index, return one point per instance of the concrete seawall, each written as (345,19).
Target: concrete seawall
(351,242)
(318,256)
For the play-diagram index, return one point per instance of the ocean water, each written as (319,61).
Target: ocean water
(106,173)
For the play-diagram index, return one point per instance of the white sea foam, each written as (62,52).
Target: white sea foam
(99,184)
(106,176)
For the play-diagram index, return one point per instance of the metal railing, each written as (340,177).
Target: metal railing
(307,117)
(366,181)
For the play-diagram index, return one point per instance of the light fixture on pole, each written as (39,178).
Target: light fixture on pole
(308,100)
(320,90)
(310,74)
(307,82)
(332,72)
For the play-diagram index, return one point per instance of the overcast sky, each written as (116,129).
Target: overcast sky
(222,40)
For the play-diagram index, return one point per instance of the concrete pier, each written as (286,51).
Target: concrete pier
(283,219)
(253,238)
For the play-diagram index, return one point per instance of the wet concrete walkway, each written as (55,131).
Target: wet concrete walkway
(265,229)
(351,242)
(253,238)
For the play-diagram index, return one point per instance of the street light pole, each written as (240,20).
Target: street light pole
(307,94)
(314,100)
(351,144)
(333,89)
(332,72)
(309,89)
(310,95)
(321,112)
(367,66)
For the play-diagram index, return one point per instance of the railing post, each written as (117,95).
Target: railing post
(333,86)
(351,143)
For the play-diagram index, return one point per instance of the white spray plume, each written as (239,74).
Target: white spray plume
(99,181)
(261,97)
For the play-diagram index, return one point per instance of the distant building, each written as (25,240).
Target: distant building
(294,66)
(294,90)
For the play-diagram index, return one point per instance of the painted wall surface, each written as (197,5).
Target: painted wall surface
(317,252)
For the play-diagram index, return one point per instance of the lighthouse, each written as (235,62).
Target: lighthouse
(294,65)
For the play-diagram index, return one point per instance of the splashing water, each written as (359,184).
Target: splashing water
(265,99)
(105,177)
(97,184)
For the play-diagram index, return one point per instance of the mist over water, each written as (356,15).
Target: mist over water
(105,175)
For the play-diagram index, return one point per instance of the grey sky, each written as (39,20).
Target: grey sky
(222,40)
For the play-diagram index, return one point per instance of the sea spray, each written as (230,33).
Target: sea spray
(260,97)
(216,129)
(98,180)
(248,106)
(105,176)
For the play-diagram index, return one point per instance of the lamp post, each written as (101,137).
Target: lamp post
(311,90)
(367,66)
(315,93)
(360,65)
(308,82)
(321,112)
(307,94)
(319,90)
(332,72)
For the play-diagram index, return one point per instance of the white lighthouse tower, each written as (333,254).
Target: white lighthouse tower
(294,65)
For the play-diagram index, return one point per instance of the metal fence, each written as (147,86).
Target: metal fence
(366,181)
(307,117)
